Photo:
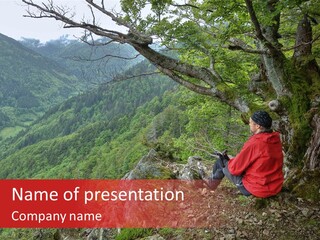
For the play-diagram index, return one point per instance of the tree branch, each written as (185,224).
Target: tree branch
(301,44)
(258,29)
(105,56)
(117,79)
(147,39)
(240,45)
(191,86)
(255,21)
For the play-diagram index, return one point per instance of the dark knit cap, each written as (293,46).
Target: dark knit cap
(262,118)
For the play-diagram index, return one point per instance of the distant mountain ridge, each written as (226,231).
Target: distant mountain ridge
(91,64)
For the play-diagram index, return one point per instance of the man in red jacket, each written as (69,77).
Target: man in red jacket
(257,169)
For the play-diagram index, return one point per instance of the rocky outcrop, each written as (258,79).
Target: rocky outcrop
(152,166)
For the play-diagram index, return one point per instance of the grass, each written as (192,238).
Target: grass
(10,132)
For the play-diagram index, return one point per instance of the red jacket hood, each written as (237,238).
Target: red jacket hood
(272,138)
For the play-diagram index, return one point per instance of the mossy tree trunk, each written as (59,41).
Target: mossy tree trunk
(300,112)
(308,94)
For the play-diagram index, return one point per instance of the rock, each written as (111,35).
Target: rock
(151,167)
(191,170)
(193,160)
(154,237)
(307,212)
(239,220)
(266,232)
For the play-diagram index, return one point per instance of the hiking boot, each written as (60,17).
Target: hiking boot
(213,183)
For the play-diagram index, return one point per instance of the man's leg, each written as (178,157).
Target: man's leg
(237,180)
(216,176)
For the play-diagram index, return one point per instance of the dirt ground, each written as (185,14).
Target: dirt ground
(230,215)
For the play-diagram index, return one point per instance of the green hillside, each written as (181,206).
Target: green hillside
(103,133)
(72,131)
(29,84)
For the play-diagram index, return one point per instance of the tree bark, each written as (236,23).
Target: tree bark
(307,66)
(312,156)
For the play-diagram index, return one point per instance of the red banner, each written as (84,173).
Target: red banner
(101,204)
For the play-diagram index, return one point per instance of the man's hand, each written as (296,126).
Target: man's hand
(223,157)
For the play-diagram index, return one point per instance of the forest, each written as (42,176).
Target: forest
(183,80)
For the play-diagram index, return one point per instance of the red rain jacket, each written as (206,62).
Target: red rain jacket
(260,163)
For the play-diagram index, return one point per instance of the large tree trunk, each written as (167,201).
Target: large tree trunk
(307,65)
(300,114)
(305,62)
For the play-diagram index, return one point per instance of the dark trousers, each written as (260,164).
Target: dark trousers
(220,170)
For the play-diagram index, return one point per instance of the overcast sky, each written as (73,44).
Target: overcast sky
(14,25)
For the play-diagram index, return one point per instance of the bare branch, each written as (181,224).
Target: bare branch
(93,16)
(106,56)
(119,21)
(93,42)
(110,14)
(301,44)
(238,44)
(198,146)
(117,79)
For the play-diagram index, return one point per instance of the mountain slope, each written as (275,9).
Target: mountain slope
(84,132)
(29,84)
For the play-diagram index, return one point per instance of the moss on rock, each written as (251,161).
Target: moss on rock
(305,184)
